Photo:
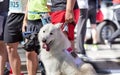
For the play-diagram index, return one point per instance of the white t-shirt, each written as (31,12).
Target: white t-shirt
(1,0)
(82,4)
(49,2)
(17,6)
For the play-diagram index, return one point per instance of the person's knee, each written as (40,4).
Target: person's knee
(31,54)
(11,47)
(93,26)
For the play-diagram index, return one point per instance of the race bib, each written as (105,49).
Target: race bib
(15,5)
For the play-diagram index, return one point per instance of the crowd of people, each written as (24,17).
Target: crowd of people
(20,16)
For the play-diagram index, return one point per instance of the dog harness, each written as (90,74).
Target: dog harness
(77,60)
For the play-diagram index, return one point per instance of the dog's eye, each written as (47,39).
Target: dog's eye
(51,33)
(43,31)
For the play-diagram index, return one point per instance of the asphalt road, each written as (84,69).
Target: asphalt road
(106,61)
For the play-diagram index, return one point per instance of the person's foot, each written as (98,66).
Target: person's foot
(6,71)
(108,44)
(94,47)
(84,57)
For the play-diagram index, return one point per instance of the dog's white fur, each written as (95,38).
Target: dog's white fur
(55,59)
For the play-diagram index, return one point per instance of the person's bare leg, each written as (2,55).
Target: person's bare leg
(14,58)
(32,62)
(94,33)
(3,57)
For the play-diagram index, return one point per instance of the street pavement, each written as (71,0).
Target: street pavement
(106,61)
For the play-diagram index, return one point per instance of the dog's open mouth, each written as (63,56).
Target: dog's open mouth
(47,45)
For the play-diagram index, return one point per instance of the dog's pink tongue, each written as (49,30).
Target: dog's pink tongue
(45,46)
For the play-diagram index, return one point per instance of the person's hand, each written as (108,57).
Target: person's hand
(69,16)
(24,26)
(99,6)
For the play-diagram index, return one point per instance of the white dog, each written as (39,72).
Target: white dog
(54,56)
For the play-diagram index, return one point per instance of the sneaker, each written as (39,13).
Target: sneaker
(85,46)
(6,71)
(94,47)
(108,44)
(84,57)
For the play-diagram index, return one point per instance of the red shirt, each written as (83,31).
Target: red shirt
(116,1)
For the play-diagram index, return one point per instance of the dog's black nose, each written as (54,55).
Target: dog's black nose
(44,40)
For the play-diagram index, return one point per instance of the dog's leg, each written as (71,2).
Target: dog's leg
(87,69)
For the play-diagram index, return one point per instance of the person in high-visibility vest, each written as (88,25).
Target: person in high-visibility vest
(35,17)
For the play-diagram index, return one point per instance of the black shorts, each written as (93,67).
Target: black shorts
(13,28)
(34,25)
(92,15)
(3,16)
(32,43)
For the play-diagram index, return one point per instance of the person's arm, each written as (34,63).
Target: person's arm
(25,19)
(99,1)
(69,16)
(49,4)
(70,5)
(99,4)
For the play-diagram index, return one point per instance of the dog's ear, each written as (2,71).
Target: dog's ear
(58,25)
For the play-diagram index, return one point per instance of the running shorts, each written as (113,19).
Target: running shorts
(92,15)
(3,16)
(13,28)
(32,43)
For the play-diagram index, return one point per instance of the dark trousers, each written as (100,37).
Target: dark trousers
(114,35)
(82,30)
